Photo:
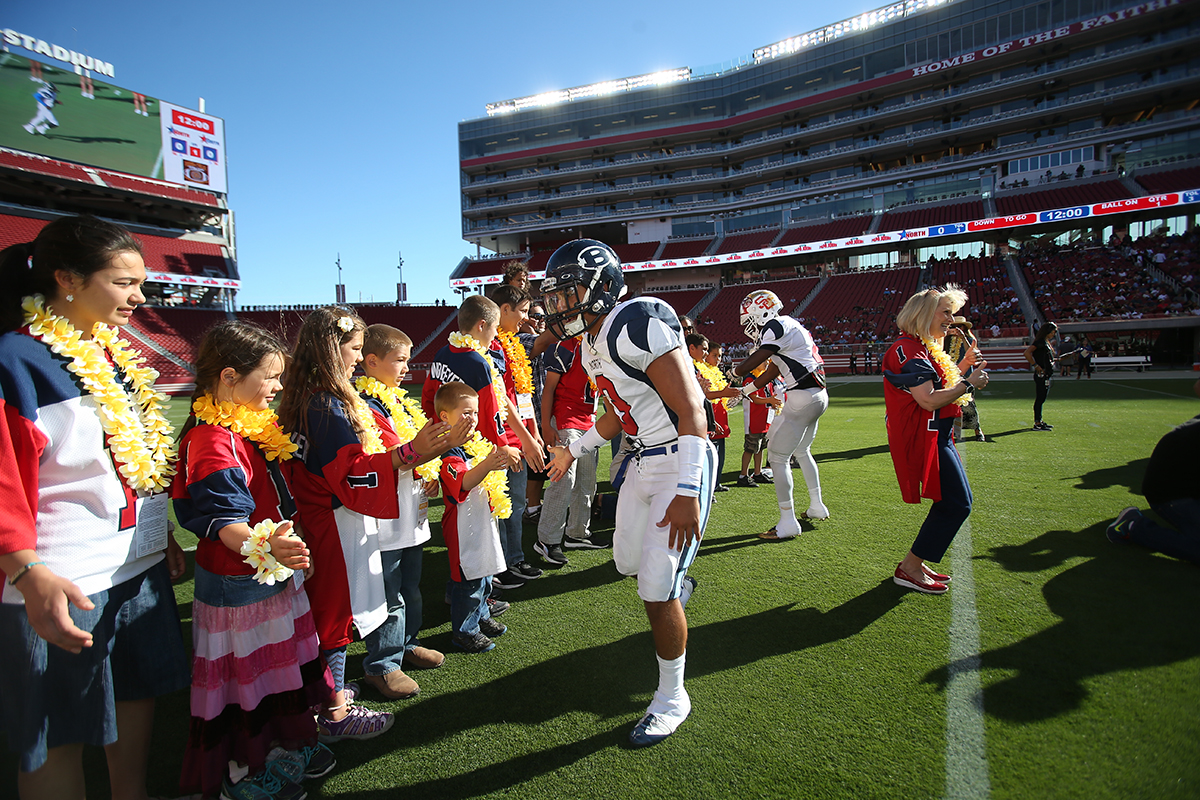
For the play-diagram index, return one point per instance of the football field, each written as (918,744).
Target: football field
(1058,665)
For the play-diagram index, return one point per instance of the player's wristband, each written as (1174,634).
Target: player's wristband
(587,444)
(692,450)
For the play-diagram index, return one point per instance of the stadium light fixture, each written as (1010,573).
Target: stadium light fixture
(837,30)
(661,78)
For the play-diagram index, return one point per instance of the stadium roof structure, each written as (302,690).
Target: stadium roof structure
(936,108)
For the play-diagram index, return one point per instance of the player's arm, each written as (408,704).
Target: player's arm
(669,375)
(750,362)
(608,426)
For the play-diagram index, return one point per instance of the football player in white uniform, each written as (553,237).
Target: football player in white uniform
(795,361)
(635,354)
(46,98)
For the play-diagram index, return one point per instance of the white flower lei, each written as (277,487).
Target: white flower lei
(138,434)
(407,418)
(257,549)
(468,342)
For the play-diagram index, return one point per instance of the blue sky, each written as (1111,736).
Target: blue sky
(340,119)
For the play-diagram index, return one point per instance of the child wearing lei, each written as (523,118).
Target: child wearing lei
(257,668)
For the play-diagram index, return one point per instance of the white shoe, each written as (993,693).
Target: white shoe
(818,511)
(654,726)
(685,591)
(29,129)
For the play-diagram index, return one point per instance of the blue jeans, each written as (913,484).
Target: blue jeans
(468,604)
(387,644)
(512,529)
(1184,542)
(947,515)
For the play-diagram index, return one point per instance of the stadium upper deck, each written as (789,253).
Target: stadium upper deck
(915,103)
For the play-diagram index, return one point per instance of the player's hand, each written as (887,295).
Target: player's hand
(683,515)
(48,598)
(176,564)
(288,548)
(561,461)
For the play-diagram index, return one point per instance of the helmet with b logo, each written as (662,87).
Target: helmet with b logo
(760,307)
(581,276)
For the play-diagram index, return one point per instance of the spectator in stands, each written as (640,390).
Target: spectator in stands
(88,625)
(516,273)
(1041,357)
(923,393)
(1172,487)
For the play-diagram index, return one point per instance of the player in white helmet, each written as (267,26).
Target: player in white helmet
(46,98)
(795,361)
(634,351)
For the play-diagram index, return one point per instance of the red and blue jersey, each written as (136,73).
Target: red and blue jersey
(574,403)
(224,479)
(468,527)
(340,491)
(912,430)
(59,488)
(466,366)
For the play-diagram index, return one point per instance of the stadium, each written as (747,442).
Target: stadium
(1042,154)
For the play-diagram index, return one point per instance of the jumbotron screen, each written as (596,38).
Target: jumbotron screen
(56,112)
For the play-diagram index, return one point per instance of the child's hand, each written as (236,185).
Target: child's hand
(498,458)
(512,457)
(775,403)
(288,548)
(431,488)
(730,391)
(176,563)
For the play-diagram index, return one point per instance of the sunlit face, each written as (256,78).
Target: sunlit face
(697,352)
(351,352)
(942,318)
(257,389)
(390,369)
(714,355)
(108,295)
(467,407)
(512,318)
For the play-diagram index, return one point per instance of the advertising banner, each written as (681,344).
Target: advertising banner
(66,112)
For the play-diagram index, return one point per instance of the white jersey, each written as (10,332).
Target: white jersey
(634,334)
(795,353)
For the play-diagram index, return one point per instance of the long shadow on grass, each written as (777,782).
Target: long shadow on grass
(1128,475)
(1120,611)
(610,682)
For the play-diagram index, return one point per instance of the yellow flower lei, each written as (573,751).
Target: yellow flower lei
(518,362)
(950,374)
(478,449)
(260,427)
(257,549)
(139,436)
(407,418)
(371,441)
(469,342)
(715,379)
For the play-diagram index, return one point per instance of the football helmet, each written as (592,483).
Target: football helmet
(581,276)
(760,307)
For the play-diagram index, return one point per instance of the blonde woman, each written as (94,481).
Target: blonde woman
(924,393)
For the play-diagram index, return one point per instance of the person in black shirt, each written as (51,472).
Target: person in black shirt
(1172,486)
(1041,357)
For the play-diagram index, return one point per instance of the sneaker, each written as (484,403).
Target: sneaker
(1042,426)
(508,580)
(270,784)
(491,628)
(746,482)
(525,571)
(552,553)
(473,642)
(763,478)
(308,762)
(584,544)
(353,691)
(360,723)
(532,514)
(651,729)
(395,685)
(497,607)
(686,590)
(720,488)
(1118,531)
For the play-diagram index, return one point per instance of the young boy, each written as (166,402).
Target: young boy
(464,361)
(758,410)
(472,537)
(568,412)
(394,643)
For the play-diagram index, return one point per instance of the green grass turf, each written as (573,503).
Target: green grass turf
(103,131)
(811,674)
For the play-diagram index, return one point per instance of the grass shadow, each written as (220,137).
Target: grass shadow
(1127,475)
(1109,623)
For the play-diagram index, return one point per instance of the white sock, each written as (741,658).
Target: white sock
(788,525)
(237,772)
(671,702)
